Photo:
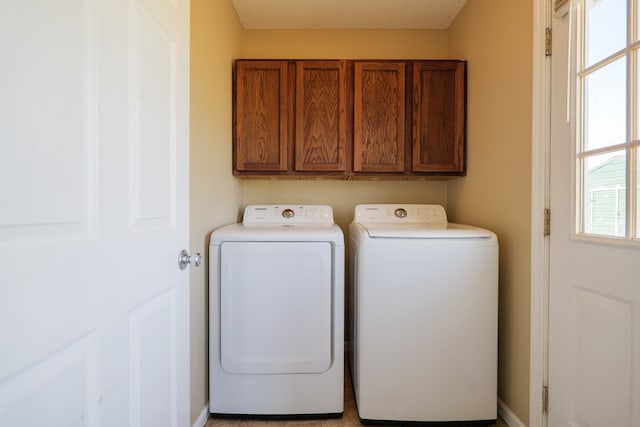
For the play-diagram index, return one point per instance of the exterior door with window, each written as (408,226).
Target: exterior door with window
(594,299)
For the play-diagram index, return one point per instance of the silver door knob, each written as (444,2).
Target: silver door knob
(185,259)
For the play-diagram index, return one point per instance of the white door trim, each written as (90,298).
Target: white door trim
(540,138)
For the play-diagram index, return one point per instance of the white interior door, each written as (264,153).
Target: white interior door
(93,213)
(594,323)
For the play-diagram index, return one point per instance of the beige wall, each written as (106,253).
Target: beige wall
(215,195)
(345,44)
(495,36)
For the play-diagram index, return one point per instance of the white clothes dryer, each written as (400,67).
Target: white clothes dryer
(424,306)
(277,313)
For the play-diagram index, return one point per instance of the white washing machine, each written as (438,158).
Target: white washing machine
(424,307)
(277,313)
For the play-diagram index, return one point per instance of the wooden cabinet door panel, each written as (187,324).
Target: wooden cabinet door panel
(379,117)
(262,116)
(320,116)
(438,116)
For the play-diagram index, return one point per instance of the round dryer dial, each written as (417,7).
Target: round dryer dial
(288,213)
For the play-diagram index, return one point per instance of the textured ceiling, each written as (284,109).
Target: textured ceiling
(347,14)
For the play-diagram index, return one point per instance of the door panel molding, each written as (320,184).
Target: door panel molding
(152,332)
(62,204)
(153,142)
(72,370)
(602,367)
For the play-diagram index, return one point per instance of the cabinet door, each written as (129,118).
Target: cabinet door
(261,116)
(379,117)
(439,116)
(320,116)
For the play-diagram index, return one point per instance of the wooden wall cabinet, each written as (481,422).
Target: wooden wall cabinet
(290,117)
(345,119)
(379,117)
(321,121)
(438,117)
(262,116)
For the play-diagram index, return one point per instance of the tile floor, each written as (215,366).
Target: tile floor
(350,417)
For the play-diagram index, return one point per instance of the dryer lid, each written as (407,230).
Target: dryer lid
(270,215)
(275,223)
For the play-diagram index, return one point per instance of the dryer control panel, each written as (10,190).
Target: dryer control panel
(287,214)
(400,214)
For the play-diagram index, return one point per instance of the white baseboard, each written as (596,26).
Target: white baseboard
(508,416)
(203,417)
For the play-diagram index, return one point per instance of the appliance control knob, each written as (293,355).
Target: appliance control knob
(288,213)
(400,213)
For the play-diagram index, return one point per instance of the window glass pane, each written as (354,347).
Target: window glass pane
(603,197)
(637,21)
(637,194)
(636,54)
(605,106)
(605,28)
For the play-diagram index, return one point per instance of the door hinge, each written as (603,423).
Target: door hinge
(547,222)
(547,41)
(545,399)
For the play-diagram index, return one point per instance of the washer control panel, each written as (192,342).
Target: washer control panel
(405,214)
(287,214)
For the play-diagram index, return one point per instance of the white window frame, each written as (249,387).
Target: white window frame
(631,146)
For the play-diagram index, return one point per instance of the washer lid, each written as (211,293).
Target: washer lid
(413,222)
(400,214)
(426,231)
